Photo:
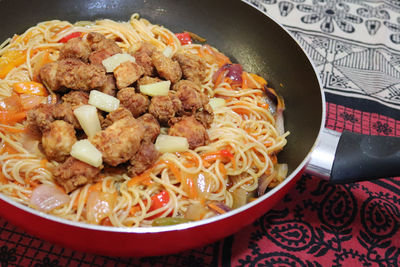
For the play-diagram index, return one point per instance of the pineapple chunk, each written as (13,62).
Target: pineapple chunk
(86,152)
(217,102)
(155,89)
(167,51)
(88,119)
(111,63)
(168,143)
(103,101)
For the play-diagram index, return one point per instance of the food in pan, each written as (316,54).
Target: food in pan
(128,124)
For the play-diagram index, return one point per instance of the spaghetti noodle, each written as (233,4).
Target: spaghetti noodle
(192,185)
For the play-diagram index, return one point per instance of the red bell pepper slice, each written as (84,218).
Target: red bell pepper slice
(184,38)
(70,36)
(158,201)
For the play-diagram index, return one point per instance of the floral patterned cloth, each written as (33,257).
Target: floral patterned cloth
(355,47)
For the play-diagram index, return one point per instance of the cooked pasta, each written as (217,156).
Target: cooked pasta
(237,164)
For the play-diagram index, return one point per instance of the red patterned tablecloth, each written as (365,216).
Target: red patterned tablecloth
(355,48)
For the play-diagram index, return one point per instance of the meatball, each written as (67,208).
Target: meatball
(48,75)
(192,99)
(164,108)
(148,80)
(40,117)
(97,57)
(166,67)
(137,104)
(99,42)
(57,141)
(75,48)
(109,87)
(72,73)
(143,57)
(190,128)
(186,84)
(205,116)
(76,98)
(65,110)
(193,67)
(146,156)
(74,173)
(115,115)
(127,73)
(120,141)
(151,126)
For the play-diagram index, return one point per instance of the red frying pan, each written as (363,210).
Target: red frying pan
(261,46)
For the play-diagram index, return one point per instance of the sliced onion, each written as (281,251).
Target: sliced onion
(279,173)
(99,206)
(218,73)
(30,101)
(232,71)
(282,171)
(263,183)
(33,147)
(219,207)
(195,212)
(47,197)
(30,141)
(239,197)
(279,122)
(235,73)
(271,105)
(271,95)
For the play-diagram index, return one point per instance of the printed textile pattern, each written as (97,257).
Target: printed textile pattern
(354,44)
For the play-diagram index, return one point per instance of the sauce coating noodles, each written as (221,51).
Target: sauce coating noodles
(196,184)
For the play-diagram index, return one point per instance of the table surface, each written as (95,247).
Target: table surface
(355,47)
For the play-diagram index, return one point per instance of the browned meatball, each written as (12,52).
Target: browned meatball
(166,67)
(146,156)
(57,141)
(120,141)
(143,57)
(71,101)
(127,73)
(40,117)
(192,99)
(186,84)
(190,128)
(64,111)
(76,98)
(74,173)
(193,67)
(72,73)
(75,48)
(205,115)
(115,115)
(98,42)
(164,108)
(110,87)
(137,104)
(97,57)
(48,75)
(151,126)
(148,80)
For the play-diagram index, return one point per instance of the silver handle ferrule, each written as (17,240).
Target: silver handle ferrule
(323,155)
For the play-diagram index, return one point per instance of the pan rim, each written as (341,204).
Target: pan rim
(190,225)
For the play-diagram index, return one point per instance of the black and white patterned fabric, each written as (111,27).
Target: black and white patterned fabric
(354,44)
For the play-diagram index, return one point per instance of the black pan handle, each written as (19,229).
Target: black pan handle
(365,157)
(351,157)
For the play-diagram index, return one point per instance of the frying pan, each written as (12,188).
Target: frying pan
(248,37)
